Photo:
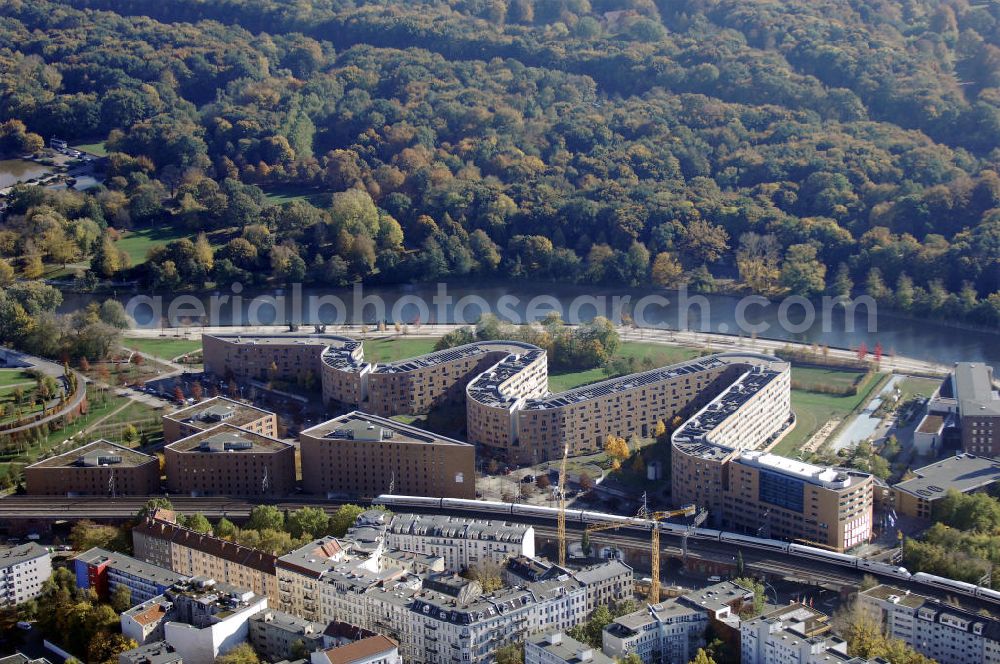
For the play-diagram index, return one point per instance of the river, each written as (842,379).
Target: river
(13,171)
(918,338)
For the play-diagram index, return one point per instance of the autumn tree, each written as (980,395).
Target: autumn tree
(702,657)
(616,447)
(667,270)
(241,654)
(488,573)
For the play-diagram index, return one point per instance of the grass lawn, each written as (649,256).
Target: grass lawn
(145,419)
(911,386)
(10,377)
(397,348)
(814,376)
(813,410)
(11,412)
(136,243)
(658,354)
(281,194)
(166,348)
(96,148)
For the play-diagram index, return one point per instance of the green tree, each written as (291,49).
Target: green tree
(590,632)
(842,282)
(488,573)
(308,522)
(121,598)
(6,273)
(344,518)
(802,273)
(113,314)
(87,535)
(512,653)
(758,596)
(196,522)
(266,517)
(225,529)
(151,506)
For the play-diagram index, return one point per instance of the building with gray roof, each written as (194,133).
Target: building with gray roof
(459,541)
(276,635)
(965,473)
(157,652)
(558,648)
(104,571)
(674,629)
(214,411)
(230,461)
(978,408)
(99,468)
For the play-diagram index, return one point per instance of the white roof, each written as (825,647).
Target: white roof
(800,469)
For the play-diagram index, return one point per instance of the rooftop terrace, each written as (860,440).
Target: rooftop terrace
(216,410)
(363,427)
(96,454)
(225,438)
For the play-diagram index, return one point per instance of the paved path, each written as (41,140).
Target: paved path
(56,371)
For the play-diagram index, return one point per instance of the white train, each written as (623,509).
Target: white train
(585,517)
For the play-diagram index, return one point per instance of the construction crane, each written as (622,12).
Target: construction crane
(561,519)
(654,553)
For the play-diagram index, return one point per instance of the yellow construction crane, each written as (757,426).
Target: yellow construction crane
(561,519)
(654,553)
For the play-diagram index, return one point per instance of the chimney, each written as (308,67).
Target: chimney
(586,655)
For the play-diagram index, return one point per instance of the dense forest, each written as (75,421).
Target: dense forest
(829,146)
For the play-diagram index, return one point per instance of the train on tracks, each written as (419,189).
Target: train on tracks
(583,518)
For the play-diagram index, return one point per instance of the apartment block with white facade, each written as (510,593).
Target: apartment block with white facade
(462,543)
(946,633)
(23,571)
(793,634)
(673,630)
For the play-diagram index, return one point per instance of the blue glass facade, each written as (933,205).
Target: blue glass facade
(781,490)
